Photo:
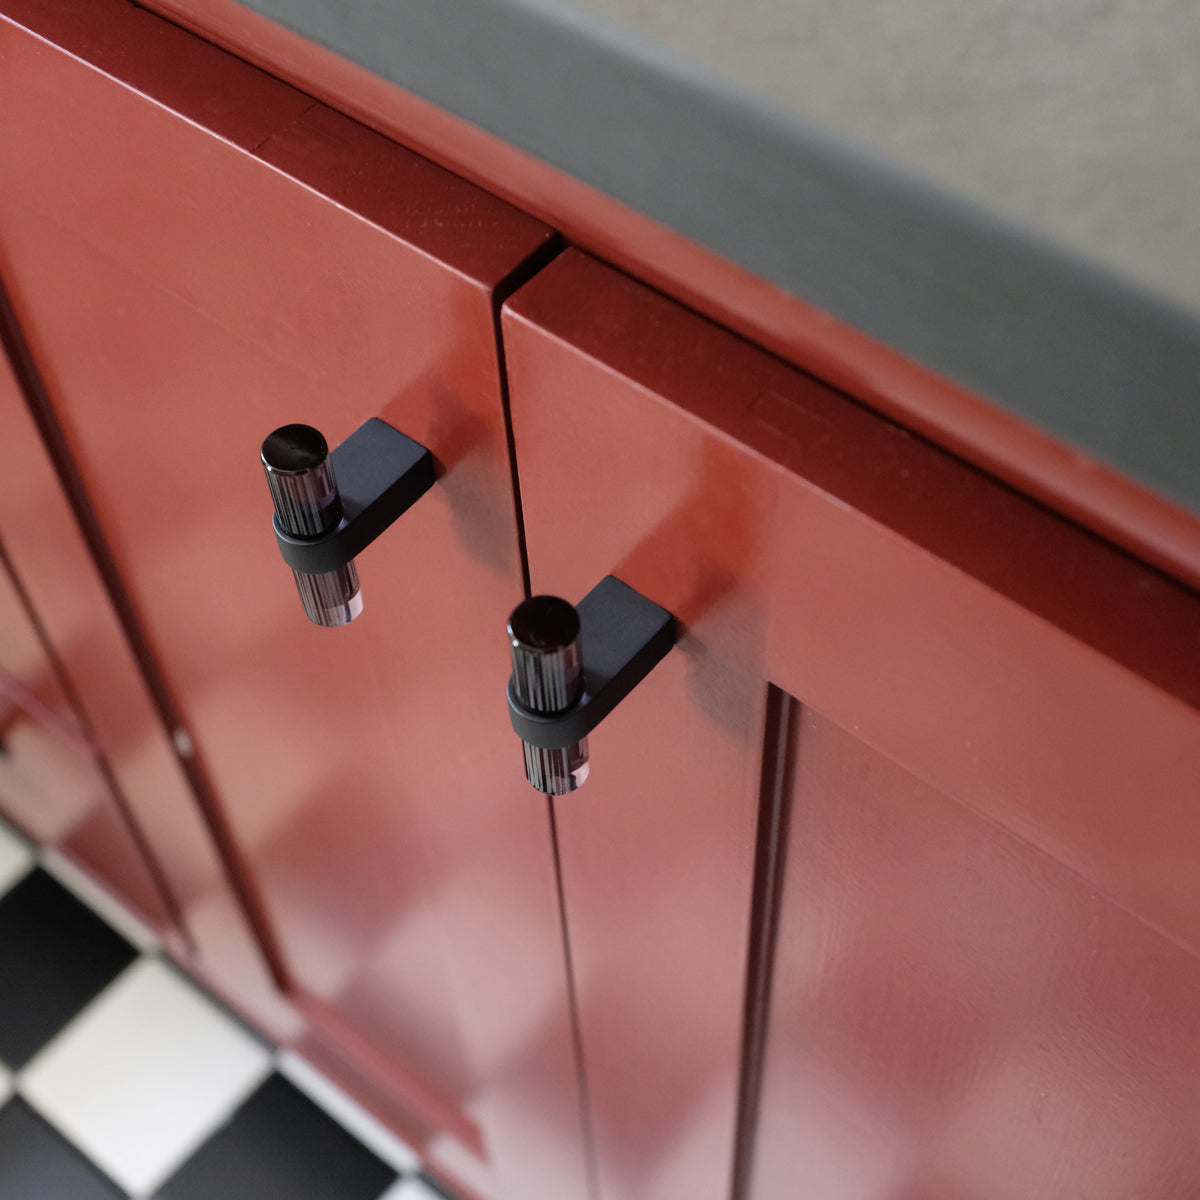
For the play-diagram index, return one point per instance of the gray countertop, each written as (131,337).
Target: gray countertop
(1080,118)
(1011,310)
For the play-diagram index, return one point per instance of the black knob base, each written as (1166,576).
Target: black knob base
(380,474)
(623,636)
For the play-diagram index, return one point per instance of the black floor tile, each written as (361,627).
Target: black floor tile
(36,1163)
(280,1146)
(56,956)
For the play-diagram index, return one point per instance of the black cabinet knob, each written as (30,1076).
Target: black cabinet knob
(307,505)
(324,516)
(572,665)
(547,678)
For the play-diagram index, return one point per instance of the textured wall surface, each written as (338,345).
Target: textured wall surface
(1080,117)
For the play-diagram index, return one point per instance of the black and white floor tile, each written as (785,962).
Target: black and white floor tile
(121,1080)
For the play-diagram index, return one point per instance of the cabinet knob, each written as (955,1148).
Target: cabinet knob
(571,666)
(307,505)
(547,678)
(331,505)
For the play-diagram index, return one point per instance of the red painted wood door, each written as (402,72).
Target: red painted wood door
(957,1012)
(984,726)
(199,254)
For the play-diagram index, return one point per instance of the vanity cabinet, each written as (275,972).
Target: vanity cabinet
(882,882)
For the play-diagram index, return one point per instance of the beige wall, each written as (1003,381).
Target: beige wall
(1079,117)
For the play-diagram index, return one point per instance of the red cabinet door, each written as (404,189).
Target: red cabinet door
(956,1012)
(199,254)
(984,725)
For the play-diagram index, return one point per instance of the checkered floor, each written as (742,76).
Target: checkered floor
(119,1078)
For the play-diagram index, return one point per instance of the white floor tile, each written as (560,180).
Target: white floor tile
(15,858)
(99,901)
(374,1135)
(144,1075)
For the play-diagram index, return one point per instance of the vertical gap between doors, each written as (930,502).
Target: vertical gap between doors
(518,278)
(585,1103)
(774,813)
(553,246)
(37,398)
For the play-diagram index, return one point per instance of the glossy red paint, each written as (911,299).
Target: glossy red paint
(955,1014)
(986,971)
(1073,483)
(52,783)
(187,286)
(963,635)
(200,918)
